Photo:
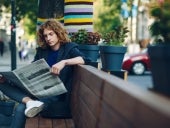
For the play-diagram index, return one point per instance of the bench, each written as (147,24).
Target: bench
(101,100)
(39,122)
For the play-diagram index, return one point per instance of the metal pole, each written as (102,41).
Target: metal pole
(13,36)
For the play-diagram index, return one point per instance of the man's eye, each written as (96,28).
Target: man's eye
(51,34)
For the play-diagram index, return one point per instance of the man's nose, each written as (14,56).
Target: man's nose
(48,37)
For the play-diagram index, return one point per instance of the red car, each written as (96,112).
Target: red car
(137,63)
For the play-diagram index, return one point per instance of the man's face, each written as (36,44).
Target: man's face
(50,37)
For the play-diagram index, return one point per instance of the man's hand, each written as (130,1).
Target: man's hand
(56,68)
(2,79)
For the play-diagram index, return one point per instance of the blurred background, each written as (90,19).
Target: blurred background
(106,15)
(19,21)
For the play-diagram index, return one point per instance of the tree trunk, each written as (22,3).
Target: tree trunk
(51,9)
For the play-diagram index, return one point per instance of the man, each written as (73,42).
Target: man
(61,54)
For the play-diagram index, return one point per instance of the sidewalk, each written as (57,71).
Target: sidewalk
(5,61)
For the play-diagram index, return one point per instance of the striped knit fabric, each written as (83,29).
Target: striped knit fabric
(78,14)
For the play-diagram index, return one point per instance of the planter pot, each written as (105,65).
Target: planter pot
(91,51)
(160,61)
(112,57)
(7,107)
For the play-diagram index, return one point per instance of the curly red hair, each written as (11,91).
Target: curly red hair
(57,27)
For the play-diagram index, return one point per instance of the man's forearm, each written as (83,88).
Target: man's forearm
(73,61)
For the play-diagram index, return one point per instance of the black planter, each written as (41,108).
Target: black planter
(91,51)
(112,57)
(160,61)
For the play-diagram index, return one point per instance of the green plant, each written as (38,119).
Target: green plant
(116,36)
(82,36)
(160,28)
(93,38)
(79,37)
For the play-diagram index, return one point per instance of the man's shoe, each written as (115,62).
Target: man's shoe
(33,108)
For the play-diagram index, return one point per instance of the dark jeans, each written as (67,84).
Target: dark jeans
(19,117)
(13,92)
(10,118)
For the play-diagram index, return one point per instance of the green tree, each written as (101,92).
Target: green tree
(109,16)
(26,10)
(51,9)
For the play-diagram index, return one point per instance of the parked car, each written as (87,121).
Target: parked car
(137,63)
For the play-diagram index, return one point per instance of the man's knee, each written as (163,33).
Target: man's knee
(19,118)
(20,108)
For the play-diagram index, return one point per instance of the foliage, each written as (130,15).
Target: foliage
(93,38)
(109,16)
(161,25)
(79,37)
(115,36)
(24,9)
(82,36)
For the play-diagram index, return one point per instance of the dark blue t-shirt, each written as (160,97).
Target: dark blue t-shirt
(52,57)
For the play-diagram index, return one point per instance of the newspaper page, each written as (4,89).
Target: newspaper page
(37,79)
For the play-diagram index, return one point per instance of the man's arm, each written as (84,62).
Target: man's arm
(56,68)
(74,61)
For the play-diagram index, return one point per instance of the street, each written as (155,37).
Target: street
(143,81)
(5,61)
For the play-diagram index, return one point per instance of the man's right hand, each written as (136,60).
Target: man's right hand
(2,79)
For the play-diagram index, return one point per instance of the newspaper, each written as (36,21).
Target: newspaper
(36,79)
